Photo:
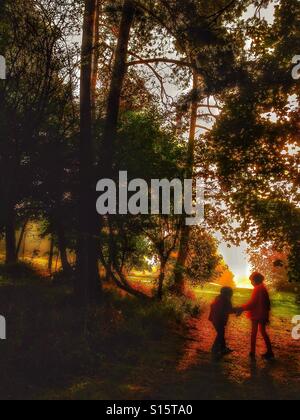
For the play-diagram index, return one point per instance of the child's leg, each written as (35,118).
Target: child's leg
(215,348)
(265,335)
(216,345)
(219,343)
(254,336)
(222,338)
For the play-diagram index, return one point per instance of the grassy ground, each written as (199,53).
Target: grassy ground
(127,349)
(283,303)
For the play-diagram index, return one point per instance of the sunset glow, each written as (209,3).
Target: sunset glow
(243,283)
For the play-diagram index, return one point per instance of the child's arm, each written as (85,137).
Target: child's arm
(234,311)
(238,311)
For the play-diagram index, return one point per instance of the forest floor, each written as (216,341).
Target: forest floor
(184,369)
(141,352)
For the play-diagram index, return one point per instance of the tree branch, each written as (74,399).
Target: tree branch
(160,60)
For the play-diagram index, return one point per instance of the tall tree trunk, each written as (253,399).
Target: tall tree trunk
(56,262)
(62,246)
(161,279)
(185,230)
(108,274)
(51,254)
(88,285)
(114,97)
(24,245)
(22,235)
(95,59)
(10,236)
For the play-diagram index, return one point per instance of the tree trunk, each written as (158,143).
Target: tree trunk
(185,230)
(22,234)
(114,97)
(24,246)
(56,263)
(95,59)
(62,246)
(108,275)
(51,254)
(88,285)
(10,236)
(161,279)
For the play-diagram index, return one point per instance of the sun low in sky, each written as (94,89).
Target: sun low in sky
(238,262)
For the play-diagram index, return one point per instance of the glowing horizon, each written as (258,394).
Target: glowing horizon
(243,283)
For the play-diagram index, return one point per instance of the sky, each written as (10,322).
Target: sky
(237,260)
(267,13)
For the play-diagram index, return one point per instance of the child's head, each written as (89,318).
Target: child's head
(227,293)
(257,279)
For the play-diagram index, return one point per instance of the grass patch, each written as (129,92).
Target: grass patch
(283,303)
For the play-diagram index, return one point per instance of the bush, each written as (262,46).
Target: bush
(181,307)
(19,271)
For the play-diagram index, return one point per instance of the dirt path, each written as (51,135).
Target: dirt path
(198,377)
(169,373)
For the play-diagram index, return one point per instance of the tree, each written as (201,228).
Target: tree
(35,63)
(202,35)
(202,257)
(254,143)
(157,154)
(115,90)
(273,264)
(185,230)
(88,281)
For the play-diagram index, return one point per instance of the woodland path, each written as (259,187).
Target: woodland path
(235,376)
(180,367)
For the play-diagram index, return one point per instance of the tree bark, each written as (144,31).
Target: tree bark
(113,103)
(88,285)
(185,230)
(51,254)
(114,97)
(95,58)
(24,246)
(22,234)
(161,279)
(10,236)
(62,246)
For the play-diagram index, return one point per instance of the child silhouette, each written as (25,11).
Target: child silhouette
(258,309)
(220,311)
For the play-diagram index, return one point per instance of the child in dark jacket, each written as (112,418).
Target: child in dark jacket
(221,309)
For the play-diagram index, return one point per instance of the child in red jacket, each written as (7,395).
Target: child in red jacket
(258,309)
(219,315)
